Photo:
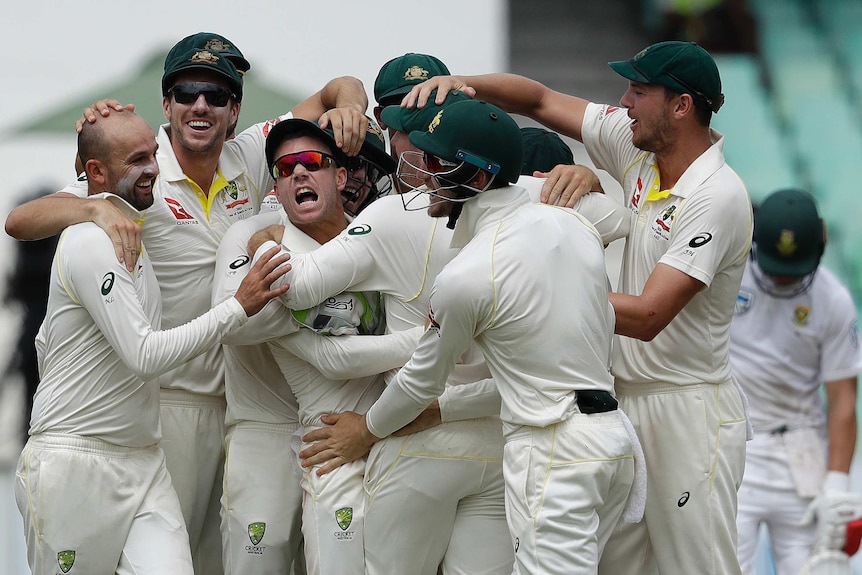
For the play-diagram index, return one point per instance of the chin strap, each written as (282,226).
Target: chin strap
(453,216)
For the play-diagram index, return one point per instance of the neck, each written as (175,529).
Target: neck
(322,232)
(199,167)
(674,161)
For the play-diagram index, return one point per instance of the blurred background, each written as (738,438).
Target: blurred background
(791,69)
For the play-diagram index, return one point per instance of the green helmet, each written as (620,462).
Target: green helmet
(475,133)
(788,234)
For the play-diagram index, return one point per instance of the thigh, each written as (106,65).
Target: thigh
(333,520)
(262,502)
(158,543)
(566,487)
(77,509)
(431,480)
(694,445)
(480,542)
(193,442)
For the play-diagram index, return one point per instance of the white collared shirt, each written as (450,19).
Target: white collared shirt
(701,227)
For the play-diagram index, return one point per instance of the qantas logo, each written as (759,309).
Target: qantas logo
(636,197)
(432,323)
(179,211)
(269,126)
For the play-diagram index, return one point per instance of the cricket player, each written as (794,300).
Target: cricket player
(795,331)
(262,488)
(92,485)
(682,266)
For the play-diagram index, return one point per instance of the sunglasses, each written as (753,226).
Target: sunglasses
(188,93)
(312,161)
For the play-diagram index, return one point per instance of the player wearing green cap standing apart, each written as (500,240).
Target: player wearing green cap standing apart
(682,266)
(794,330)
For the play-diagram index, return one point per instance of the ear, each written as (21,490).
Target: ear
(481,180)
(166,105)
(234,112)
(96,172)
(684,105)
(340,178)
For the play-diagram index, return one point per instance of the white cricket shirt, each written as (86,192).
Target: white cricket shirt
(783,349)
(701,227)
(98,347)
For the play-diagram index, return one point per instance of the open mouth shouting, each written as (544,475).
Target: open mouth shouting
(305,195)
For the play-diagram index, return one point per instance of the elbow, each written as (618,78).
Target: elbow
(14,227)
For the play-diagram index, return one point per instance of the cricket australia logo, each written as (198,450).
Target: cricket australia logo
(256,531)
(344,517)
(416,74)
(800,315)
(65,559)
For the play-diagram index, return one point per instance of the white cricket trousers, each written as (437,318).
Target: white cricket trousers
(768,495)
(693,438)
(566,488)
(99,509)
(193,432)
(436,498)
(262,501)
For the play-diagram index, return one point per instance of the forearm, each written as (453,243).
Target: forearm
(48,216)
(477,399)
(841,426)
(344,92)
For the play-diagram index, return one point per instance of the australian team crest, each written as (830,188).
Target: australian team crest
(416,74)
(344,517)
(65,559)
(800,315)
(204,57)
(256,531)
(744,299)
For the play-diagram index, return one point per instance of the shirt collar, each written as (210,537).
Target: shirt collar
(485,209)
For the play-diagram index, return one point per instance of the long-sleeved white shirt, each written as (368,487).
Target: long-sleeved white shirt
(100,348)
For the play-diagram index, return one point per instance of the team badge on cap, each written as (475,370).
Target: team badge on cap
(435,122)
(786,245)
(217,45)
(204,57)
(416,74)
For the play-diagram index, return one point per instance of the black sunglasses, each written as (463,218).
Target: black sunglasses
(188,93)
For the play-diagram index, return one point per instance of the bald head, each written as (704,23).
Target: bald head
(118,154)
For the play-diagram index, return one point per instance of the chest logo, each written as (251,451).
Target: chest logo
(178,210)
(800,315)
(65,559)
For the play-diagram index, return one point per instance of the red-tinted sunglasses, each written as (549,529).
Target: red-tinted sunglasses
(313,161)
(188,93)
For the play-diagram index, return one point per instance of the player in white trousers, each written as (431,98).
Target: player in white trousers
(262,505)
(498,147)
(682,265)
(795,330)
(92,484)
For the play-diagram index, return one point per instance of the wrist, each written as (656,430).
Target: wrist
(836,481)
